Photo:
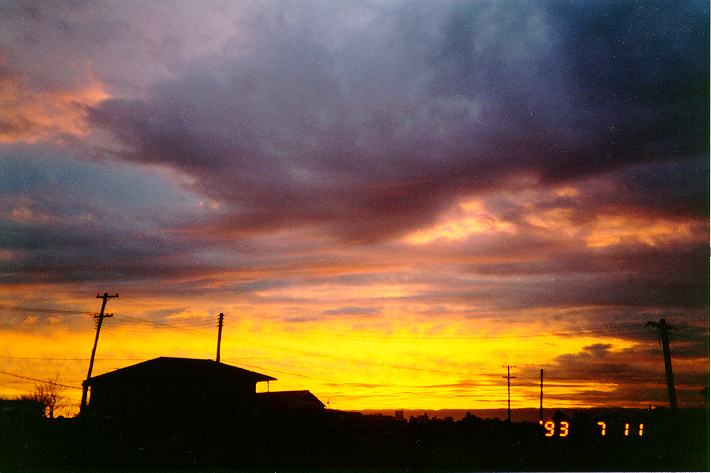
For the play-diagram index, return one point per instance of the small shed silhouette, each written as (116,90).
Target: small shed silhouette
(289,401)
(175,388)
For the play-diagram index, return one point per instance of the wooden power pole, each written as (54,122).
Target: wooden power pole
(85,387)
(508,388)
(220,320)
(663,331)
(540,408)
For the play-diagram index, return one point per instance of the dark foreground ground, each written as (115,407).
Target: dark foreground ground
(338,441)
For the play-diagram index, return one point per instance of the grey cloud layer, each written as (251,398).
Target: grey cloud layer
(372,131)
(126,45)
(364,121)
(65,219)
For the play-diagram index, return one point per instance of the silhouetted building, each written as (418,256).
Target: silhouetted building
(168,389)
(289,401)
(13,409)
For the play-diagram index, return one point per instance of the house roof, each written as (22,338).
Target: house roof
(289,400)
(189,369)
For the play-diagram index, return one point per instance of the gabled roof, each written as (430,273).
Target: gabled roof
(289,400)
(188,369)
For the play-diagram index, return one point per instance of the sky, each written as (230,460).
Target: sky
(389,201)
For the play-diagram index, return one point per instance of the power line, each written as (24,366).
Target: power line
(46,311)
(188,324)
(191,328)
(296,350)
(328,355)
(185,324)
(280,371)
(47,358)
(164,324)
(243,364)
(347,334)
(38,380)
(622,328)
(16,388)
(351,360)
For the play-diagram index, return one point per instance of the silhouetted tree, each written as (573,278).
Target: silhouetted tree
(49,395)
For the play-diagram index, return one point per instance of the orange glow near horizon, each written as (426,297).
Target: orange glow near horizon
(352,363)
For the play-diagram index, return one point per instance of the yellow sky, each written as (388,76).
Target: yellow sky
(351,364)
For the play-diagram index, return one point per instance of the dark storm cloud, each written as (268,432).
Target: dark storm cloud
(643,87)
(372,131)
(366,121)
(672,187)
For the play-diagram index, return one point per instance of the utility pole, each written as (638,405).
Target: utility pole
(508,387)
(540,409)
(220,319)
(85,387)
(663,331)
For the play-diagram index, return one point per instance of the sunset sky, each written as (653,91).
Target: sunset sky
(389,201)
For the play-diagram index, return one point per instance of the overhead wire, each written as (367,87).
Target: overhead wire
(622,329)
(188,324)
(317,354)
(199,326)
(195,328)
(38,380)
(16,388)
(47,358)
(44,310)
(291,349)
(191,330)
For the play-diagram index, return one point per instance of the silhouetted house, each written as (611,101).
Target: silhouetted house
(289,401)
(175,389)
